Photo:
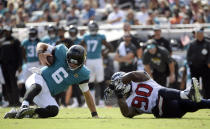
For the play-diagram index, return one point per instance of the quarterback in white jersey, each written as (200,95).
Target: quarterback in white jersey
(138,93)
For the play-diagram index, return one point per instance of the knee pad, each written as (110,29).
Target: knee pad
(53,110)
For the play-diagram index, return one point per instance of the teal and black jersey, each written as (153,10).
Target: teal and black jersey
(77,41)
(94,45)
(58,76)
(30,49)
(51,41)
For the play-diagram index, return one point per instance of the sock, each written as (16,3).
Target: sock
(25,103)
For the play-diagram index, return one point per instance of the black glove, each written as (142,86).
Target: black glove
(119,93)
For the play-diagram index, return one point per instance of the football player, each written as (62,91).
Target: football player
(68,69)
(137,93)
(30,55)
(73,31)
(52,37)
(93,43)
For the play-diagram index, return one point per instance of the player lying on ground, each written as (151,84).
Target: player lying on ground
(137,93)
(67,69)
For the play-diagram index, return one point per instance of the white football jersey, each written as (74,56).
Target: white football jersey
(144,96)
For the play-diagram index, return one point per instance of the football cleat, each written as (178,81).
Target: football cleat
(25,113)
(11,114)
(194,93)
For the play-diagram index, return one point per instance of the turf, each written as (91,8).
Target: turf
(110,118)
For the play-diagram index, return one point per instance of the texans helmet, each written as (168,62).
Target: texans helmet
(93,27)
(76,54)
(117,84)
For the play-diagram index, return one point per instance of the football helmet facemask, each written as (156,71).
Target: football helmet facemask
(117,84)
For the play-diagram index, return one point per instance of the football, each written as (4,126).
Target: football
(50,59)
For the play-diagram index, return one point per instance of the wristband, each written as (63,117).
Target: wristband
(40,51)
(94,114)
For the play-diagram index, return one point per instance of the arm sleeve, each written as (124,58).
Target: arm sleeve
(133,48)
(84,87)
(168,46)
(167,56)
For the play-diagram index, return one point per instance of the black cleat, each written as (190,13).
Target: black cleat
(11,114)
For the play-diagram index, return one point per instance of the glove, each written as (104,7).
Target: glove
(119,93)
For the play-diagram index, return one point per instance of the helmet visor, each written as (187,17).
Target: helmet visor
(73,64)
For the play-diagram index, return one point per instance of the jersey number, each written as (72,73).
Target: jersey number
(91,45)
(142,98)
(57,75)
(31,51)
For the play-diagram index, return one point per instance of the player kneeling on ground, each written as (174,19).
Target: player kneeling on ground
(137,93)
(65,69)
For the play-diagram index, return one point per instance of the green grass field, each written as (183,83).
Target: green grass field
(110,118)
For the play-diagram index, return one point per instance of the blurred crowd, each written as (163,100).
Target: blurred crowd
(154,55)
(16,13)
